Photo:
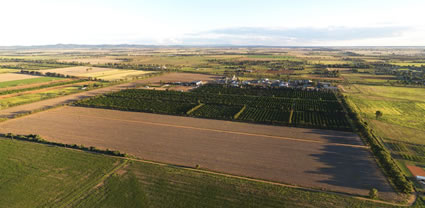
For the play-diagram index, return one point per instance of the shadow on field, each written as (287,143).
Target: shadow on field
(351,167)
(341,137)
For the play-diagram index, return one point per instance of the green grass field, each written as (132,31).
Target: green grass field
(27,81)
(29,98)
(403,113)
(402,93)
(38,175)
(368,78)
(401,106)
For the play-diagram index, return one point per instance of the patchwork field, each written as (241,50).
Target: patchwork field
(32,81)
(323,159)
(96,72)
(177,77)
(100,60)
(30,107)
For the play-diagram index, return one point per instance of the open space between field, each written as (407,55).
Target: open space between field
(325,159)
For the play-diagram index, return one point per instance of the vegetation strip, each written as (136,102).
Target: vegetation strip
(194,109)
(240,112)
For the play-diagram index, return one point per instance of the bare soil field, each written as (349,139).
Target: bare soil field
(15,76)
(323,159)
(170,77)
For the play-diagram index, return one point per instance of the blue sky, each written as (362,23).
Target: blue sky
(249,22)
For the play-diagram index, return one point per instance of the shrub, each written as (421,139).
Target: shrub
(373,193)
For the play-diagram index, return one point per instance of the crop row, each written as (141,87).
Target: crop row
(400,147)
(285,104)
(265,116)
(272,92)
(217,111)
(270,110)
(411,157)
(320,119)
(145,105)
(397,147)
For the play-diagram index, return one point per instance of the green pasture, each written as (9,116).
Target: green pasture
(35,80)
(37,175)
(29,98)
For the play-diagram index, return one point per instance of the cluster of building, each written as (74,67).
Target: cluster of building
(193,84)
(306,84)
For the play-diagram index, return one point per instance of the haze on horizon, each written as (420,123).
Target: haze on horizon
(218,22)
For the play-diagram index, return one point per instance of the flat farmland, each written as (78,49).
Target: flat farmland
(97,72)
(323,159)
(178,77)
(77,70)
(100,60)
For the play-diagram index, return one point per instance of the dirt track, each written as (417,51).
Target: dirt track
(171,77)
(331,160)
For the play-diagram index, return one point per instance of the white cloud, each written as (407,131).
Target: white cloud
(383,35)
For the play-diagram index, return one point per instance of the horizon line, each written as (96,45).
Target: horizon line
(202,45)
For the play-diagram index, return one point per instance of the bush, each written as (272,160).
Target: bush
(373,193)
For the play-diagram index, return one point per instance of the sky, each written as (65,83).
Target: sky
(214,22)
